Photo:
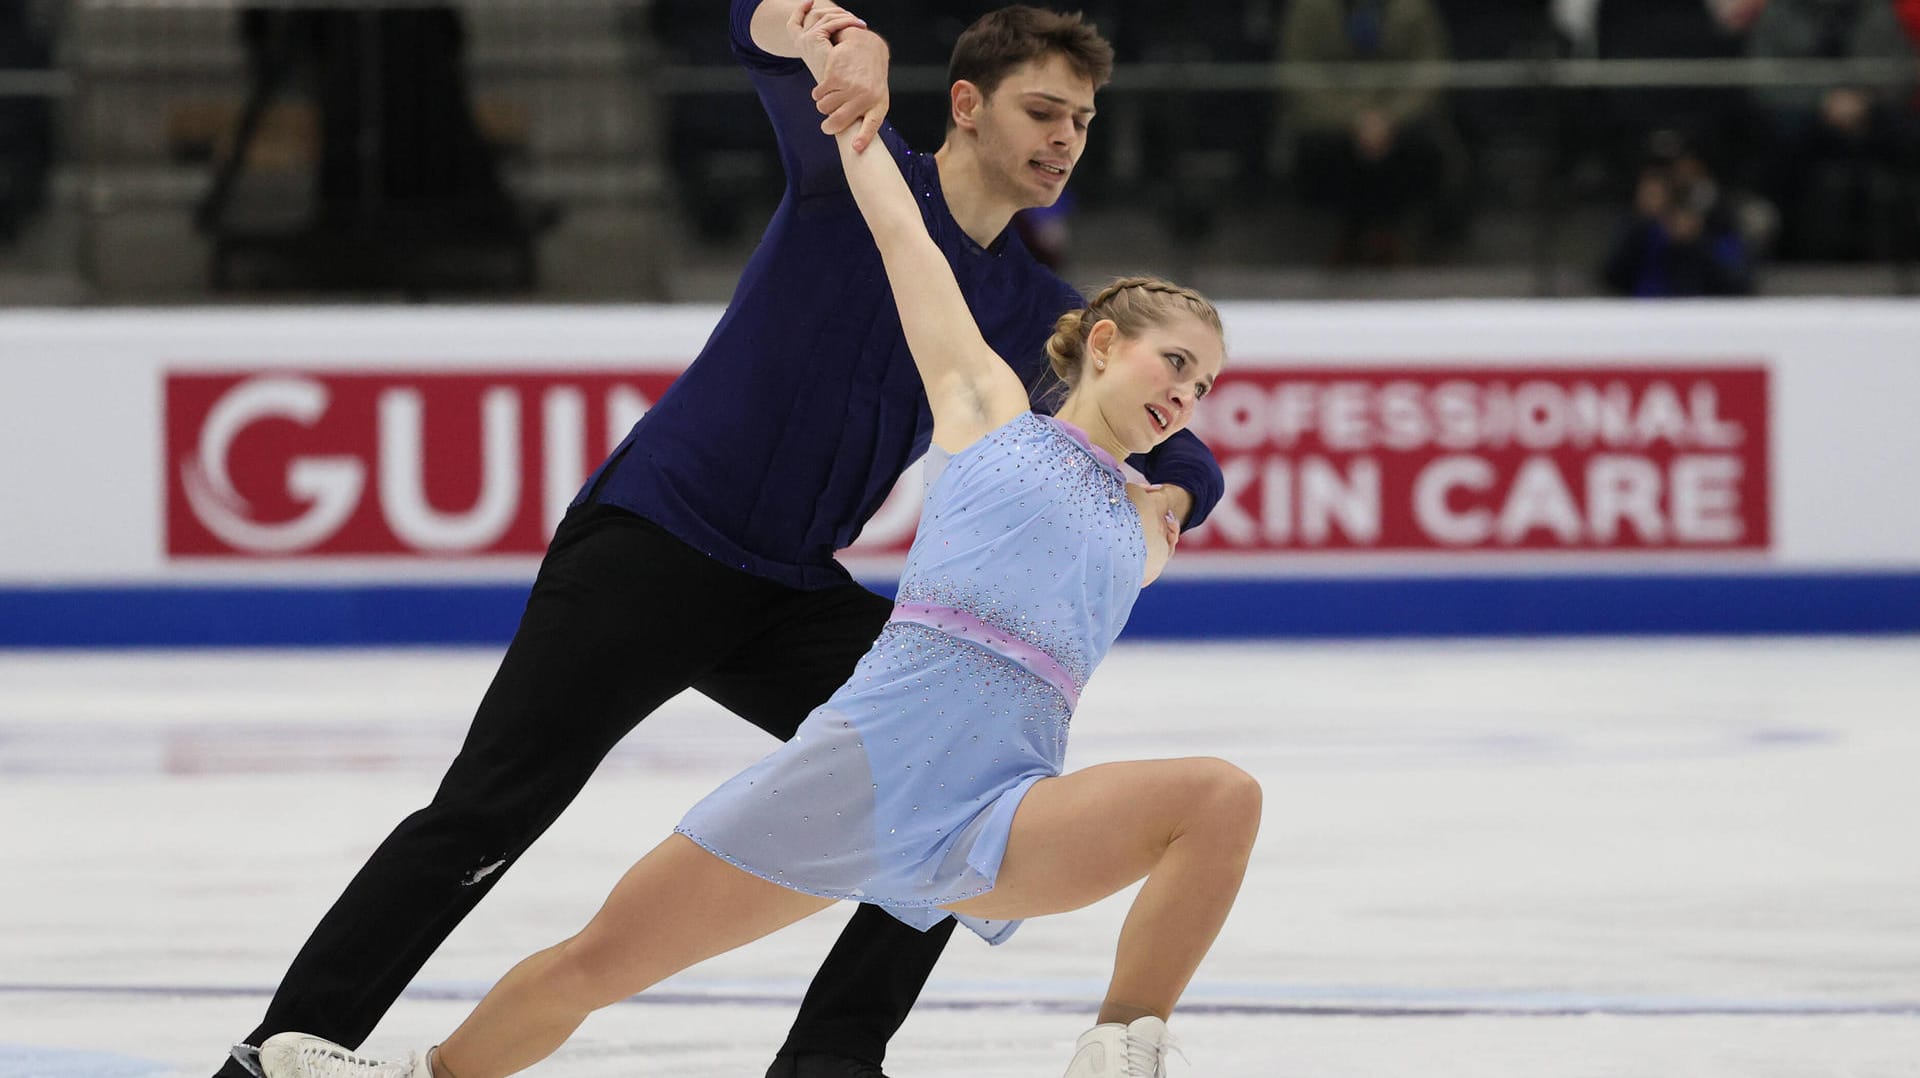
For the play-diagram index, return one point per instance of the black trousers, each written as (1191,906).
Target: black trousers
(622,617)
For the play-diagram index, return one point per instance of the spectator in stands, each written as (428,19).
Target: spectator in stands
(1579,22)
(1907,232)
(26,124)
(1707,118)
(1836,153)
(1909,14)
(1680,239)
(1508,134)
(1047,231)
(1375,155)
(1211,161)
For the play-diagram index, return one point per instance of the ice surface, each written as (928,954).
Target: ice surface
(1479,860)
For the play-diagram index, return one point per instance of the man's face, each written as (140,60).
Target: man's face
(1032,130)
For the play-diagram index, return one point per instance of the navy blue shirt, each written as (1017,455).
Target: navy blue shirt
(791,426)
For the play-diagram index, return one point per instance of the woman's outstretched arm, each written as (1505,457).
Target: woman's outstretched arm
(970,389)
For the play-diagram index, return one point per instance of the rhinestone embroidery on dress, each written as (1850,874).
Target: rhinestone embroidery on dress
(900,790)
(1070,493)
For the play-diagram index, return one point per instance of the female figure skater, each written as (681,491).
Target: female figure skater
(930,783)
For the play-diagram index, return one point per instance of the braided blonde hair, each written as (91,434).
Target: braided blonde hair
(1134,304)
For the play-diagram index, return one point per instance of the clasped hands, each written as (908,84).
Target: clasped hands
(849,66)
(1167,506)
(850,75)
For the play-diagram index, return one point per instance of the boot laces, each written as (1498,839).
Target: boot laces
(1147,1059)
(321,1060)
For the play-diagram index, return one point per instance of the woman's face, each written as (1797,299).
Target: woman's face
(1146,386)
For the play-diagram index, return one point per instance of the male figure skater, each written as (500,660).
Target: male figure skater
(701,553)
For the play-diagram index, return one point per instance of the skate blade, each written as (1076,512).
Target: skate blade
(248,1056)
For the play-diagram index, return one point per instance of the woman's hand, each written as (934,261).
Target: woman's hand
(1158,522)
(850,76)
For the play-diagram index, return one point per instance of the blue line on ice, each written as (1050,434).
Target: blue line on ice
(1279,1000)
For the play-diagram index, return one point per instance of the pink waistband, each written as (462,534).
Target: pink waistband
(1002,643)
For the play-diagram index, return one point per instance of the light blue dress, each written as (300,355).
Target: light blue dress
(901,789)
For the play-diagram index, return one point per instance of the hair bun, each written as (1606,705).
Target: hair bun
(1067,345)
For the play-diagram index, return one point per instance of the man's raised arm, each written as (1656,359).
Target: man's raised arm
(851,83)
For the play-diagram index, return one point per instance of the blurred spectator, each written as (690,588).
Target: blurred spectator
(406,190)
(1494,29)
(1373,154)
(1210,150)
(1835,153)
(1681,238)
(1907,230)
(1706,118)
(26,125)
(1047,231)
(1574,20)
(1908,12)
(1507,133)
(718,150)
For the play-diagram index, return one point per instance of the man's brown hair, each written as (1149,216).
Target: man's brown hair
(1003,39)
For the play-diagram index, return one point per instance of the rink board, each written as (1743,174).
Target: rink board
(389,475)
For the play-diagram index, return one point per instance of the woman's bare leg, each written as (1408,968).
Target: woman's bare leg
(678,906)
(1186,825)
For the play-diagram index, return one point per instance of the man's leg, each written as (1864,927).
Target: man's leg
(621,618)
(876,970)
(863,991)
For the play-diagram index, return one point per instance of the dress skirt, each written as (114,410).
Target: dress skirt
(899,791)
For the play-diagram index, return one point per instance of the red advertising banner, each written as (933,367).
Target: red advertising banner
(1634,458)
(289,463)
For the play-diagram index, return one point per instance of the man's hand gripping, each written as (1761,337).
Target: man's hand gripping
(849,64)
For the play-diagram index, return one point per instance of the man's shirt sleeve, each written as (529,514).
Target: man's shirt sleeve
(1186,462)
(810,159)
